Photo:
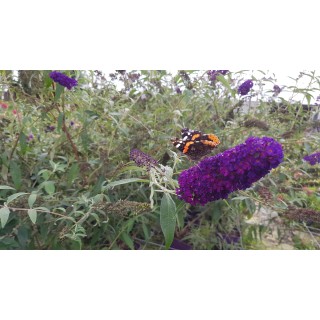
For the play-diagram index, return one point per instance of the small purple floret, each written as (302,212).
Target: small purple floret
(313,158)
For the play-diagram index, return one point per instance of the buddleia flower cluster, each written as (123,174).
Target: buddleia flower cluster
(63,80)
(313,158)
(245,87)
(214,73)
(142,159)
(237,168)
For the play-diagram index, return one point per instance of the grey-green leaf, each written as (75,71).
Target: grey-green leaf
(124,181)
(32,213)
(49,187)
(6,188)
(59,90)
(16,174)
(168,218)
(15,196)
(60,121)
(127,240)
(4,216)
(23,143)
(31,200)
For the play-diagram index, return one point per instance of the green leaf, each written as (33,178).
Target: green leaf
(6,188)
(146,231)
(60,121)
(59,90)
(168,218)
(224,82)
(23,236)
(47,80)
(85,139)
(125,181)
(32,213)
(15,196)
(23,143)
(49,187)
(4,216)
(31,200)
(4,172)
(127,240)
(16,175)
(73,173)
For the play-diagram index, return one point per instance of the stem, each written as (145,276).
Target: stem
(38,210)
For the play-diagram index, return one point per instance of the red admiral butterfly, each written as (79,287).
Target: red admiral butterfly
(195,144)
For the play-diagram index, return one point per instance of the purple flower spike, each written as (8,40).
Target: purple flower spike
(313,158)
(214,73)
(235,169)
(245,87)
(63,80)
(142,159)
(276,90)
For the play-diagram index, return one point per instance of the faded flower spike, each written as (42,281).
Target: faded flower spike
(142,159)
(235,169)
(245,87)
(313,158)
(63,80)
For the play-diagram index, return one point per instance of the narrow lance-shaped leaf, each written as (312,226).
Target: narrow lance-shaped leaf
(32,213)
(60,121)
(4,216)
(124,181)
(31,200)
(16,175)
(6,188)
(168,218)
(15,196)
(59,90)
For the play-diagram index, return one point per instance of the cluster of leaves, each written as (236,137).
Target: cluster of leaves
(67,181)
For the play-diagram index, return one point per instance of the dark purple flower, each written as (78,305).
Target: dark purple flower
(142,159)
(30,137)
(178,90)
(235,169)
(49,128)
(180,245)
(245,87)
(214,73)
(313,158)
(71,123)
(276,90)
(63,80)
(134,76)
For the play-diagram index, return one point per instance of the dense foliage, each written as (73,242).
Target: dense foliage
(87,160)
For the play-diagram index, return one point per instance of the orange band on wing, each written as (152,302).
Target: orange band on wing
(186,147)
(214,140)
(195,136)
